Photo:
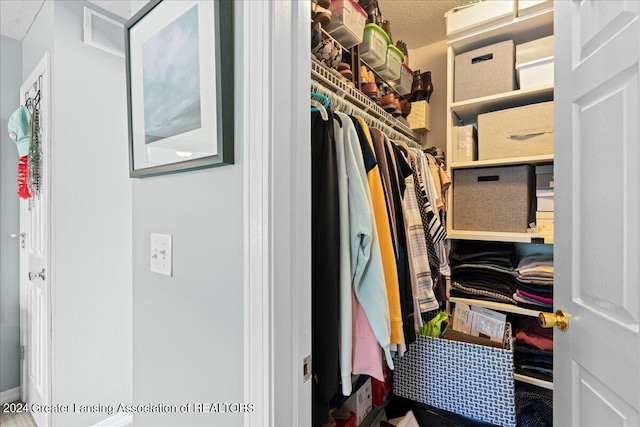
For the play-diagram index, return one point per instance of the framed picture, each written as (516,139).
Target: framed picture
(180,89)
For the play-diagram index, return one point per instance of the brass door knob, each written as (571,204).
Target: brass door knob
(559,319)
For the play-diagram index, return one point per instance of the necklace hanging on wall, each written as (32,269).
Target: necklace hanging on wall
(35,154)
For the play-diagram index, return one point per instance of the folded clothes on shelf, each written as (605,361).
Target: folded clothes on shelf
(488,253)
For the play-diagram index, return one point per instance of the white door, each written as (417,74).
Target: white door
(597,90)
(34,263)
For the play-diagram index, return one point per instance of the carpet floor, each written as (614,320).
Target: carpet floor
(16,419)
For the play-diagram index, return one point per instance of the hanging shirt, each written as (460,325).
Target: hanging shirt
(381,216)
(366,260)
(345,292)
(419,256)
(325,264)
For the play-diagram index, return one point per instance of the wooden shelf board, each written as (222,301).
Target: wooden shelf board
(532,160)
(521,29)
(468,110)
(535,381)
(498,306)
(498,236)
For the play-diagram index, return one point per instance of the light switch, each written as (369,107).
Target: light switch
(161,256)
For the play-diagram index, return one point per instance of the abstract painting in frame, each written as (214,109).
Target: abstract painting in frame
(180,88)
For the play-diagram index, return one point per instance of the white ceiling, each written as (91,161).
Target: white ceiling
(418,22)
(16,16)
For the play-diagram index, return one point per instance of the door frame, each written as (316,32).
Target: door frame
(43,68)
(274,52)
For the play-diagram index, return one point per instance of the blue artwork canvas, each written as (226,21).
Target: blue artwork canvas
(171,79)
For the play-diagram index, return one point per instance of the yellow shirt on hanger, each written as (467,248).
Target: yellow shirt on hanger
(383,228)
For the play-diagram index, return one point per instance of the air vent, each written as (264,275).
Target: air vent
(103,32)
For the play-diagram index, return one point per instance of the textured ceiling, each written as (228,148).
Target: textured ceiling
(418,22)
(16,16)
(121,8)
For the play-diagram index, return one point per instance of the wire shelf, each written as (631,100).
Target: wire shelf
(324,78)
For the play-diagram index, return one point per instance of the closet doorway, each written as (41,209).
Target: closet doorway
(35,253)
(597,244)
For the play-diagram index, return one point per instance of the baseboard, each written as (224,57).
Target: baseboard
(117,420)
(10,395)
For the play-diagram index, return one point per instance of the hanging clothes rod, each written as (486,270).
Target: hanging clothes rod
(341,104)
(349,98)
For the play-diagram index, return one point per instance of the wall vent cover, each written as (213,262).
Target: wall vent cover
(103,32)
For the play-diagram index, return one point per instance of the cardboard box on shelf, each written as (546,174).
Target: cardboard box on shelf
(361,402)
(420,117)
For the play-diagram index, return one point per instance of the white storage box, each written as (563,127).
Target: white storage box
(534,50)
(390,70)
(420,117)
(516,132)
(544,200)
(529,6)
(361,402)
(465,144)
(472,380)
(373,49)
(485,71)
(404,83)
(534,63)
(535,73)
(544,222)
(480,14)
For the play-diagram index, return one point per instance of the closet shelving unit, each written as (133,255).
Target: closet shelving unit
(521,29)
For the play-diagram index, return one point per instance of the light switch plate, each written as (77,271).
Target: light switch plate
(161,256)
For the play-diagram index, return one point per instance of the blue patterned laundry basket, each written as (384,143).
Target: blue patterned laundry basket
(468,379)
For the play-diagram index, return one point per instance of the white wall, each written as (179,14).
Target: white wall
(91,211)
(188,329)
(434,58)
(10,82)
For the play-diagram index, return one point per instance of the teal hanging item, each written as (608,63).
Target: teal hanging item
(20,129)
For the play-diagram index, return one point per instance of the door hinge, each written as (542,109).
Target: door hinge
(21,238)
(21,352)
(306,369)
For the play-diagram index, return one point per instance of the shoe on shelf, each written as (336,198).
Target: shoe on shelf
(388,102)
(372,91)
(323,16)
(341,413)
(347,73)
(324,3)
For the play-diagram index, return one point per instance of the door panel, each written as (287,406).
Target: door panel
(597,88)
(599,405)
(34,269)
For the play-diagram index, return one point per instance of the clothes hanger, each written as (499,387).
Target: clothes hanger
(317,106)
(316,99)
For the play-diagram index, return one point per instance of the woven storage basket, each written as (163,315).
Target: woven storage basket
(468,379)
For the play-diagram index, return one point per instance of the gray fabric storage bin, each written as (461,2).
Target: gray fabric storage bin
(485,71)
(493,199)
(516,132)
